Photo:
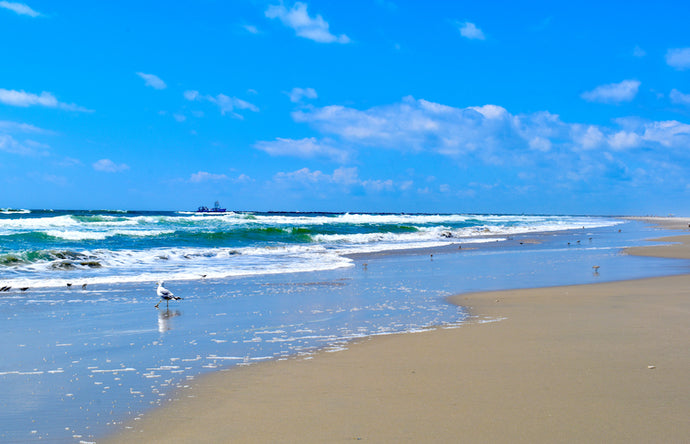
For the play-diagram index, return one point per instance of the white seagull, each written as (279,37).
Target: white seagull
(166,294)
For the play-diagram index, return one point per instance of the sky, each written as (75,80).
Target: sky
(359,106)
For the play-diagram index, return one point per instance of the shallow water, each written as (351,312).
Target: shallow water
(78,362)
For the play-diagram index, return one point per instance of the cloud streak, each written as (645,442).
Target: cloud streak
(19,8)
(297,18)
(24,99)
(624,91)
(152,80)
(203,176)
(304,148)
(343,177)
(298,94)
(108,166)
(225,104)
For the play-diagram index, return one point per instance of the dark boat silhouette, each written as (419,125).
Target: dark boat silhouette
(216,209)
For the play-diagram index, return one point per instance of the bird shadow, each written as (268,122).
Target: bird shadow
(164,319)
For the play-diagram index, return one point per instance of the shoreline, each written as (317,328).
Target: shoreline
(565,363)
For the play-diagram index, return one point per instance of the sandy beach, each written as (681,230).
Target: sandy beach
(603,362)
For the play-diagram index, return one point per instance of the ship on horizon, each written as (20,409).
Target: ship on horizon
(216,209)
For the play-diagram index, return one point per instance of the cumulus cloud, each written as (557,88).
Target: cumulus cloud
(19,8)
(108,166)
(304,148)
(152,80)
(470,31)
(678,58)
(624,91)
(226,104)
(297,94)
(420,125)
(297,18)
(669,133)
(25,99)
(488,133)
(554,152)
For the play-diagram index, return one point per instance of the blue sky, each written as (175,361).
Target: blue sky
(366,105)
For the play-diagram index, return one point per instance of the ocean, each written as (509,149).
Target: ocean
(53,248)
(84,350)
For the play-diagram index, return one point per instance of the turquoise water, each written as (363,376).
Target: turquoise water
(77,362)
(53,248)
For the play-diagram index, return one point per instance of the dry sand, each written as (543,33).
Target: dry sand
(592,363)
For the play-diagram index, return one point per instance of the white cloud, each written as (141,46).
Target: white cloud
(152,80)
(297,94)
(10,145)
(179,117)
(624,91)
(346,175)
(624,140)
(69,162)
(7,125)
(420,125)
(19,8)
(25,99)
(639,52)
(108,166)
(678,58)
(343,177)
(251,29)
(490,111)
(678,97)
(226,104)
(243,178)
(304,175)
(669,133)
(489,134)
(203,176)
(469,30)
(540,144)
(304,148)
(587,136)
(191,95)
(551,150)
(297,18)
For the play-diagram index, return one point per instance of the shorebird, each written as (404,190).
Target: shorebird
(164,293)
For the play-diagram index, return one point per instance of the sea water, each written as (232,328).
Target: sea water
(53,248)
(79,361)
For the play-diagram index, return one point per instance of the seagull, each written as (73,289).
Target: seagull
(166,294)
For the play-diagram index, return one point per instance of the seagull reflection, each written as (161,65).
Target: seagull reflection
(164,317)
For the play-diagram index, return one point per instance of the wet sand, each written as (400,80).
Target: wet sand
(592,363)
